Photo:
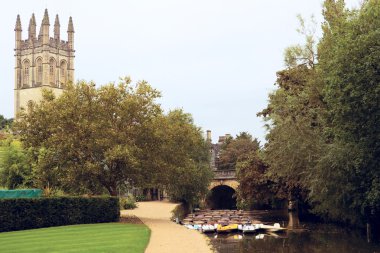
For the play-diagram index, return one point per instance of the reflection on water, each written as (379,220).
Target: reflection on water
(312,238)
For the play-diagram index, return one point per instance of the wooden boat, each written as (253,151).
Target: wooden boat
(194,227)
(247,228)
(208,228)
(227,228)
(267,228)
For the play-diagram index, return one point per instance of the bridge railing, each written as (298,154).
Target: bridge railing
(224,174)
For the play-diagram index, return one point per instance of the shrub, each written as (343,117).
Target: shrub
(128,202)
(20,214)
(181,211)
(140,198)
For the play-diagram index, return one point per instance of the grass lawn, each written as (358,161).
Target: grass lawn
(106,237)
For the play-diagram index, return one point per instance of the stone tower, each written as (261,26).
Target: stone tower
(42,62)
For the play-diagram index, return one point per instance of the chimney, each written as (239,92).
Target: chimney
(208,136)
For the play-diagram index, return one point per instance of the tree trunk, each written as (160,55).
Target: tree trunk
(112,189)
(294,221)
(369,232)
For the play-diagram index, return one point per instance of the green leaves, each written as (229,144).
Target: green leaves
(95,140)
(234,149)
(185,157)
(349,56)
(5,123)
(323,139)
(15,169)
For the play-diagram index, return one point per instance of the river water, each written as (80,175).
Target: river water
(308,238)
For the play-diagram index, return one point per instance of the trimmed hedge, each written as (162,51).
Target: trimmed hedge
(20,214)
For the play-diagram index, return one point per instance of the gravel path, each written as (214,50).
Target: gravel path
(166,236)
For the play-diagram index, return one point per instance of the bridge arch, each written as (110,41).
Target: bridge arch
(233,183)
(222,196)
(223,187)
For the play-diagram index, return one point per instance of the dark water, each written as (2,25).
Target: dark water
(308,238)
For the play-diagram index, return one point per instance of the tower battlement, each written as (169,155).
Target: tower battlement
(42,61)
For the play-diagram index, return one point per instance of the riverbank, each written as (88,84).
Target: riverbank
(166,236)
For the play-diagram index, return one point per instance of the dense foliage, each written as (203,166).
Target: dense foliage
(255,188)
(21,214)
(233,149)
(15,167)
(127,202)
(91,140)
(349,57)
(243,154)
(323,139)
(185,158)
(5,123)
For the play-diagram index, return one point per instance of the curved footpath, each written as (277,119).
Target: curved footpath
(167,236)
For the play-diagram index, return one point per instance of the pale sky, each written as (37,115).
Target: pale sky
(216,59)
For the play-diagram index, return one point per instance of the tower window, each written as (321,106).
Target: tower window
(26,73)
(63,71)
(52,71)
(39,71)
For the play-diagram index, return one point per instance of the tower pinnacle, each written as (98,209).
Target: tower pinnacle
(32,27)
(18,24)
(71,26)
(57,27)
(45,20)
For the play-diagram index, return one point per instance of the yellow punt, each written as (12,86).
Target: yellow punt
(226,229)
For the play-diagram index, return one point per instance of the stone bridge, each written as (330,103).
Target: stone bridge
(223,190)
(224,177)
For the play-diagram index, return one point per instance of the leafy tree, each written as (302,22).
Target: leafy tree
(294,142)
(15,168)
(322,119)
(91,139)
(185,156)
(348,175)
(295,120)
(232,149)
(255,188)
(5,123)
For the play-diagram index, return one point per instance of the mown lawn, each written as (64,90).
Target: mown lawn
(106,237)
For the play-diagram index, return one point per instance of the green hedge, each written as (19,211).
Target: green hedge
(20,214)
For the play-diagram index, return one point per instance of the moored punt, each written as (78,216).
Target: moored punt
(208,228)
(247,228)
(194,227)
(268,228)
(227,228)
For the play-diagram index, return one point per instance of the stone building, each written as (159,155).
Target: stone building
(42,62)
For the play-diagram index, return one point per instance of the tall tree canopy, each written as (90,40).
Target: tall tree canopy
(185,157)
(294,140)
(232,149)
(323,139)
(349,56)
(90,139)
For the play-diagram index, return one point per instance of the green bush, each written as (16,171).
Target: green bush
(181,211)
(128,202)
(140,198)
(20,214)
